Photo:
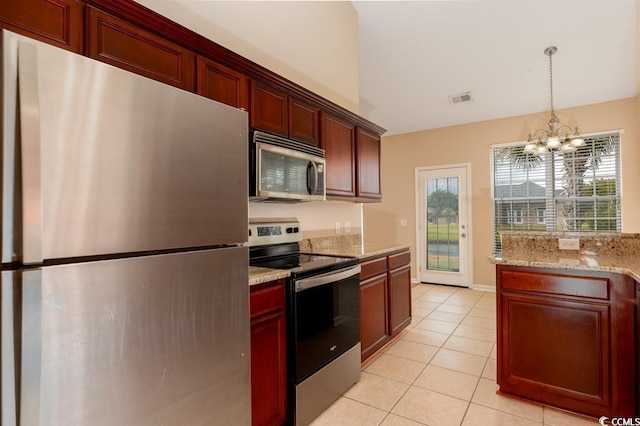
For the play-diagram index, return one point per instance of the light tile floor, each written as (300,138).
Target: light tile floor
(441,372)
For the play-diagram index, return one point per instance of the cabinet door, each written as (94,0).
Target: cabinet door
(557,350)
(399,299)
(373,314)
(368,157)
(57,22)
(303,122)
(268,354)
(268,372)
(126,46)
(638,345)
(339,145)
(268,109)
(222,84)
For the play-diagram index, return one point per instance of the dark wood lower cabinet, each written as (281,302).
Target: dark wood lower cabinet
(399,299)
(566,339)
(268,354)
(374,330)
(385,300)
(638,347)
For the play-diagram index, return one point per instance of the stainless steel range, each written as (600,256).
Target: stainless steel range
(323,316)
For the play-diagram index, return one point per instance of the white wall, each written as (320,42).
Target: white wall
(314,44)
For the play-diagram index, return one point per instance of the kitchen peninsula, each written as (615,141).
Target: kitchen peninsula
(568,326)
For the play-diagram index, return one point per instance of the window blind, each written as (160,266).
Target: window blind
(578,191)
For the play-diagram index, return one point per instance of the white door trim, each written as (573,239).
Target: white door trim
(467,166)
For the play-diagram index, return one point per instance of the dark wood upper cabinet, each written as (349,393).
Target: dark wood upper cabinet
(303,122)
(268,109)
(368,164)
(132,37)
(129,47)
(339,145)
(57,22)
(222,84)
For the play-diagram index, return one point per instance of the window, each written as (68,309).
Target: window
(579,191)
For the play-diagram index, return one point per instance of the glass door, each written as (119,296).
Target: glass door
(443,226)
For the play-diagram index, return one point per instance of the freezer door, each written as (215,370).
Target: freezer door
(142,341)
(97,160)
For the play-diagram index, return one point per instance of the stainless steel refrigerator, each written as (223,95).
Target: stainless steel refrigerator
(124,296)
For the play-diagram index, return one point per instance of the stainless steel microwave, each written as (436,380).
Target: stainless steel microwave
(282,169)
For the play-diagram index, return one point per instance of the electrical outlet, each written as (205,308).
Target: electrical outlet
(338,228)
(569,243)
(347,227)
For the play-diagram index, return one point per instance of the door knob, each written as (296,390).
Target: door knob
(463,235)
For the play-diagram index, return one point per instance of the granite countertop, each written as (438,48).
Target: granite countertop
(262,275)
(605,252)
(628,265)
(361,251)
(337,247)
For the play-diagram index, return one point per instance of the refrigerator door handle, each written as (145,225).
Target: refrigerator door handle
(31,353)
(30,154)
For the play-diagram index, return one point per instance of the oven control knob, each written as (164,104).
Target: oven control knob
(289,230)
(333,348)
(296,229)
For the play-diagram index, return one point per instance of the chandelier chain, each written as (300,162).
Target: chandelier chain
(551,80)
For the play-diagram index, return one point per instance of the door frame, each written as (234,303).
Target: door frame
(467,167)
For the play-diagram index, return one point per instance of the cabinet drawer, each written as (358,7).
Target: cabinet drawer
(266,298)
(563,285)
(399,259)
(373,267)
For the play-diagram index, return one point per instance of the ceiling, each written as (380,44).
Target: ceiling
(415,54)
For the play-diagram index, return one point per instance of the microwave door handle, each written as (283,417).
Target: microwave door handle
(312,188)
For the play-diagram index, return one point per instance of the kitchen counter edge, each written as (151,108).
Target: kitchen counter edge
(628,265)
(259,275)
(362,251)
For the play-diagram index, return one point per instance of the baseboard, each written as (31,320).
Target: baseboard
(415,281)
(489,288)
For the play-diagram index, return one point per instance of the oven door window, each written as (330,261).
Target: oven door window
(327,324)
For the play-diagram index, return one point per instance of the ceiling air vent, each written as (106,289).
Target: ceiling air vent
(463,97)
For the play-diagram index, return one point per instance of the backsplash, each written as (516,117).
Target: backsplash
(310,245)
(516,244)
(317,218)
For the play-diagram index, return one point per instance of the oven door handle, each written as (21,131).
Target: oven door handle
(324,279)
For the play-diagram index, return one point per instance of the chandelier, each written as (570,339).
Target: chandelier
(557,137)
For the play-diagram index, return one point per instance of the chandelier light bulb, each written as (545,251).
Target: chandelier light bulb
(553,142)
